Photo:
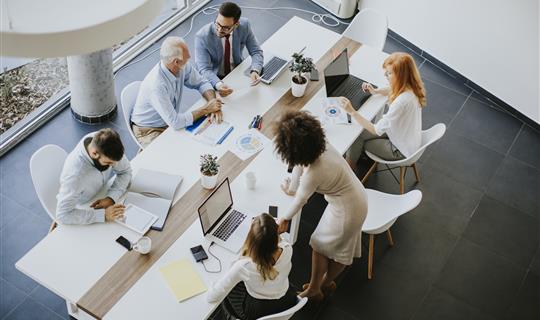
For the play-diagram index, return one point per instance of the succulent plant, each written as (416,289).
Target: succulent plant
(209,165)
(299,65)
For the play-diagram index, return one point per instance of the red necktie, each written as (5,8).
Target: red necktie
(227,56)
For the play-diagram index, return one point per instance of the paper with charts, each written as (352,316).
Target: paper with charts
(182,279)
(333,113)
(249,143)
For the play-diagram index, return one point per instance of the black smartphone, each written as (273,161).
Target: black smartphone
(124,242)
(314,75)
(198,253)
(272,210)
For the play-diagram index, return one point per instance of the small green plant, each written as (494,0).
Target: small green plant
(299,65)
(209,165)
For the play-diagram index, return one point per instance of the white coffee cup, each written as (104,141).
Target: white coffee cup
(250,180)
(143,246)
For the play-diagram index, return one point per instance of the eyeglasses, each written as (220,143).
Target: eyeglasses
(224,28)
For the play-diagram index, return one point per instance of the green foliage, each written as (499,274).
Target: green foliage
(299,65)
(209,165)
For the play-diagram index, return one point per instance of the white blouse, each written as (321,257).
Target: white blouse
(244,269)
(403,123)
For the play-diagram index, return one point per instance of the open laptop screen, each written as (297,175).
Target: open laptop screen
(336,72)
(215,206)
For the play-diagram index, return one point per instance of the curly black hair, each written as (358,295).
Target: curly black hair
(300,139)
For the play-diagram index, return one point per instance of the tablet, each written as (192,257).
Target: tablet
(137,219)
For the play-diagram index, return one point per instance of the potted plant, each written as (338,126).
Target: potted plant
(300,66)
(209,171)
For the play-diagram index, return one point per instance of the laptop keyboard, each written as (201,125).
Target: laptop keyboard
(231,222)
(351,89)
(272,67)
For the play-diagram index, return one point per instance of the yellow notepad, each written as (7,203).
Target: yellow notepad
(183,280)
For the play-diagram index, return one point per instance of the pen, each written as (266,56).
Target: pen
(252,123)
(259,126)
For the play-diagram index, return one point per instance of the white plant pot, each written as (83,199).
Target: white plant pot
(298,90)
(208,182)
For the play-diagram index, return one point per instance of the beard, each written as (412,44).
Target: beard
(99,166)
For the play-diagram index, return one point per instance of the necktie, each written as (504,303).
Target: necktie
(227,56)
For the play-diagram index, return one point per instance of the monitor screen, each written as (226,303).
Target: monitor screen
(336,72)
(215,206)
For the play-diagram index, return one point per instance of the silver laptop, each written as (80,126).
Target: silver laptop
(220,223)
(272,68)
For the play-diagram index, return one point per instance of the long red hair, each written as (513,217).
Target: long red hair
(405,77)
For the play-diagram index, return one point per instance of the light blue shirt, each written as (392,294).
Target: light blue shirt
(80,181)
(159,101)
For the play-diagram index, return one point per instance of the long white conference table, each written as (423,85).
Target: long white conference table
(71,260)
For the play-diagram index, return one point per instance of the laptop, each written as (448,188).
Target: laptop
(272,68)
(220,223)
(339,82)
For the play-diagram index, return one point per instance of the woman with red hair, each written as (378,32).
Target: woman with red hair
(397,134)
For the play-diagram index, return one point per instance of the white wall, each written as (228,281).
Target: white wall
(494,43)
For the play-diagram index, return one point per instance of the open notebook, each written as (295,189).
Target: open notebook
(153,191)
(211,133)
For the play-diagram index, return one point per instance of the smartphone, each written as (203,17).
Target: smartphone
(314,75)
(124,242)
(198,253)
(272,210)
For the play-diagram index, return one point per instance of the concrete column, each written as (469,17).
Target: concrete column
(92,86)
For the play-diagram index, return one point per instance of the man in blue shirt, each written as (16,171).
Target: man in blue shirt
(158,104)
(219,45)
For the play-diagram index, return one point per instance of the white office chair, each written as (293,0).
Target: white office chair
(127,99)
(383,211)
(369,27)
(45,168)
(287,314)
(429,136)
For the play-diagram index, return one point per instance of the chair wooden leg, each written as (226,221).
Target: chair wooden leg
(370,256)
(390,239)
(53,225)
(370,171)
(416,172)
(402,180)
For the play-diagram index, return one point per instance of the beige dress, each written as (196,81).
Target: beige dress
(338,234)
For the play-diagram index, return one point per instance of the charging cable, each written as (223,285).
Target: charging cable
(324,18)
(215,257)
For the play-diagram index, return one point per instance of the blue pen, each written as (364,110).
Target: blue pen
(252,123)
(225,135)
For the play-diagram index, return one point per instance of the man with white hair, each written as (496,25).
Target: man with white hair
(158,104)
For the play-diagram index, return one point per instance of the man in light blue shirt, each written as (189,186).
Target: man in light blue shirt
(88,168)
(219,46)
(158,104)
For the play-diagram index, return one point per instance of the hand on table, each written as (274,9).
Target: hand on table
(224,90)
(102,203)
(255,78)
(346,105)
(368,87)
(114,212)
(285,187)
(216,117)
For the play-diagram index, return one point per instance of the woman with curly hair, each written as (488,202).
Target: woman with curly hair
(318,167)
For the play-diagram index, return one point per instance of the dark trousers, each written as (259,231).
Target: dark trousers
(240,305)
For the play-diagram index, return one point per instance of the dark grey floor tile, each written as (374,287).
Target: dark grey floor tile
(518,185)
(50,300)
(9,209)
(526,304)
(486,125)
(333,313)
(431,72)
(10,297)
(30,309)
(442,106)
(464,160)
(527,147)
(505,231)
(420,248)
(385,182)
(483,99)
(480,278)
(446,203)
(535,264)
(380,297)
(392,45)
(17,238)
(443,306)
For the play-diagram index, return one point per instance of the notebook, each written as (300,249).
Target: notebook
(182,279)
(137,219)
(153,191)
(212,133)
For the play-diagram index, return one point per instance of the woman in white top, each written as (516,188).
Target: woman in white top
(318,167)
(257,284)
(398,134)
